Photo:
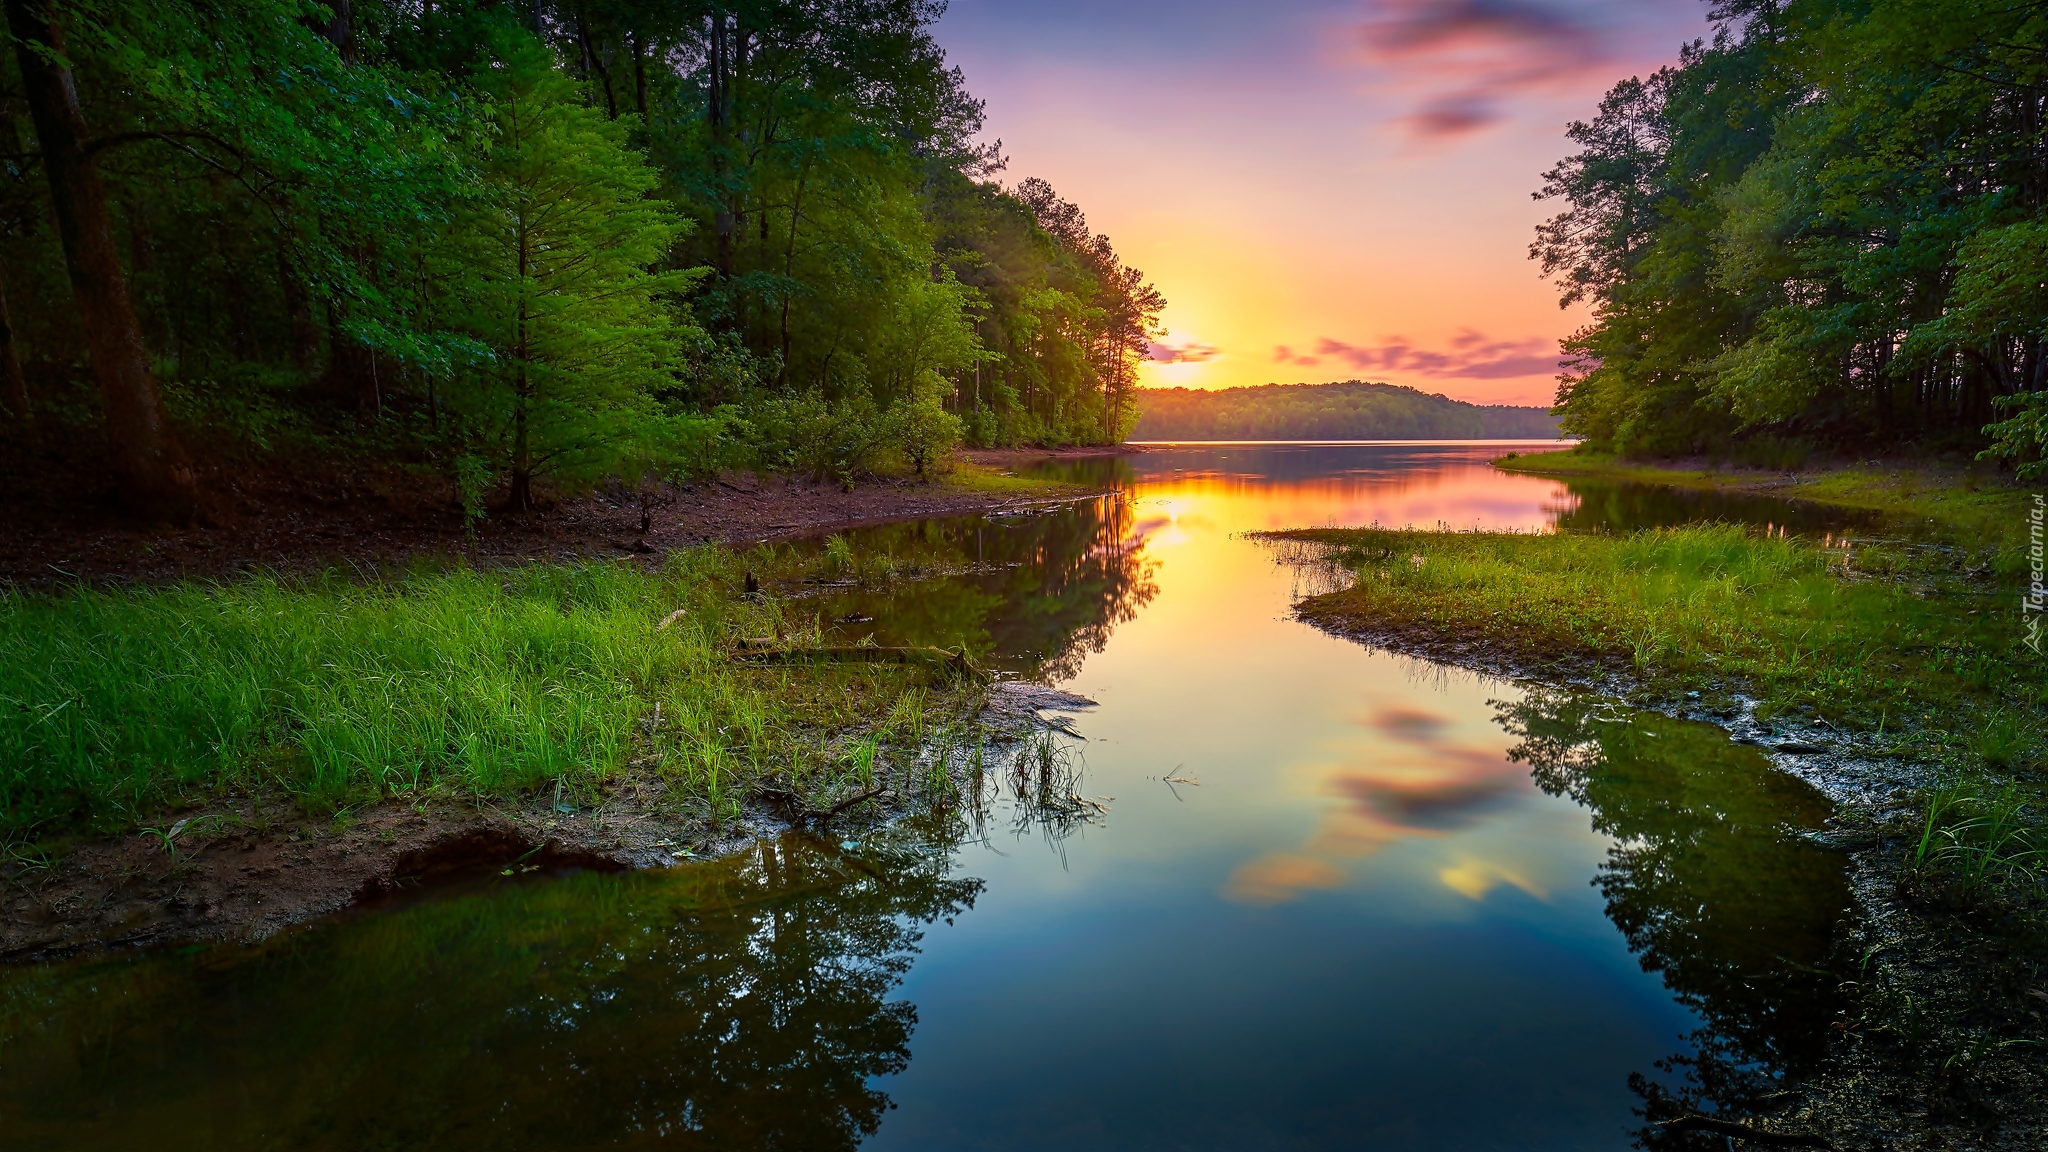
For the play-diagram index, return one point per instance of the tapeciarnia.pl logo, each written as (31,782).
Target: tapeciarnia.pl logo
(2036,599)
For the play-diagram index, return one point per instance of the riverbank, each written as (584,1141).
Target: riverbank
(1890,675)
(1970,504)
(319,516)
(218,761)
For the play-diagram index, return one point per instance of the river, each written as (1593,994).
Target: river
(1324,897)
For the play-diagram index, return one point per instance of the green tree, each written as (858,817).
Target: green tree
(554,262)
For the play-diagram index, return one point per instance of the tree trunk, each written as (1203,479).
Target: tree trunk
(522,388)
(299,307)
(151,470)
(640,77)
(341,30)
(722,222)
(10,365)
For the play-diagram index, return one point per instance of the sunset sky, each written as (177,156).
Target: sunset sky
(1322,189)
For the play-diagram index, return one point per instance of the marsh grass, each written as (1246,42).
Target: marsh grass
(119,704)
(1717,608)
(1968,506)
(1982,833)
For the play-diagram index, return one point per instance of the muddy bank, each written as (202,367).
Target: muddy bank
(319,518)
(242,871)
(1013,457)
(1941,1045)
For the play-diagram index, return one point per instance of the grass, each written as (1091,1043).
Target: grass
(968,476)
(119,705)
(1871,637)
(1964,505)
(1910,653)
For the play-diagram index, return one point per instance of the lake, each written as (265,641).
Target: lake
(1321,897)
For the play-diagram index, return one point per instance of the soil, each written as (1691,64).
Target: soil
(246,869)
(318,515)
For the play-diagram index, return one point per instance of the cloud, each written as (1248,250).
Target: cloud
(1282,354)
(1465,58)
(1279,877)
(1471,356)
(1192,352)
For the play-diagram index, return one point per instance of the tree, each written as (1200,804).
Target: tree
(151,471)
(553,260)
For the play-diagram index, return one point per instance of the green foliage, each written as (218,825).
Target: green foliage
(1824,223)
(1348,411)
(1853,634)
(548,270)
(925,432)
(640,241)
(115,703)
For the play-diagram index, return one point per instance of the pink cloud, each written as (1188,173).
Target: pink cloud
(1189,353)
(1471,356)
(1465,58)
(1282,354)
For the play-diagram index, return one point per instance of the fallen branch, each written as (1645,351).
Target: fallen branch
(768,652)
(798,812)
(1745,1132)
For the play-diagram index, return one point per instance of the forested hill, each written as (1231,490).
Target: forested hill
(1352,410)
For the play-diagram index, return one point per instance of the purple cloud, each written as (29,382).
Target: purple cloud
(1467,57)
(1471,356)
(1189,353)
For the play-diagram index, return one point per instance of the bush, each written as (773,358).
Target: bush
(922,428)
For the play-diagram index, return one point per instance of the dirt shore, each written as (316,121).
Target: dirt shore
(383,518)
(242,870)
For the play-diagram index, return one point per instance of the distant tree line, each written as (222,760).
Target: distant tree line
(1829,223)
(1352,410)
(530,241)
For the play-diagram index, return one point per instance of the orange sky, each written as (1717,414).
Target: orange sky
(1348,181)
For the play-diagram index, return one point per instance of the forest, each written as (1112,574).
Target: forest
(1351,410)
(527,246)
(1824,225)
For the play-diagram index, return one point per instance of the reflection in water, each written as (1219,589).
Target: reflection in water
(1038,594)
(736,1005)
(1712,886)
(1402,956)
(1601,506)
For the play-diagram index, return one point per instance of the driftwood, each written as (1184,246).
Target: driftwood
(767,651)
(1745,1132)
(799,813)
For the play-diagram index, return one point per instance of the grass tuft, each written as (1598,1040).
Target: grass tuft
(116,705)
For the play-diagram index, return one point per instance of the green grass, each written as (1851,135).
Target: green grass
(1873,638)
(119,704)
(968,476)
(1964,505)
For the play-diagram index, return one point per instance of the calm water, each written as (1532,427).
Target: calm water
(1339,899)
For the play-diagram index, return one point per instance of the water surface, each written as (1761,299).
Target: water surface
(1339,899)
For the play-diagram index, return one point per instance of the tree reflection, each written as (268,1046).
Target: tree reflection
(1604,506)
(741,1004)
(1712,886)
(1038,593)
